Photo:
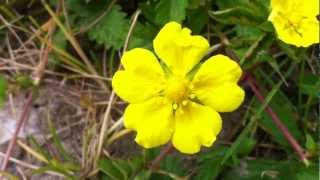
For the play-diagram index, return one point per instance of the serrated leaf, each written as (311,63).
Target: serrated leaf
(111,30)
(82,9)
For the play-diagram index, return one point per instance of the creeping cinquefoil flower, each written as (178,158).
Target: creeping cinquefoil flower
(296,21)
(174,99)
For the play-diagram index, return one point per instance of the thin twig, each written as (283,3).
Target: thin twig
(23,118)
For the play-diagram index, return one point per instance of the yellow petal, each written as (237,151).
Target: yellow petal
(195,125)
(141,78)
(215,84)
(226,97)
(178,48)
(153,121)
(216,70)
(295,21)
(296,7)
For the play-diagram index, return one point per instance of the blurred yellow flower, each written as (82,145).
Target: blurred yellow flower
(166,102)
(296,21)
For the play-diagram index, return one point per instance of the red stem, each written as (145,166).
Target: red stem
(22,120)
(292,141)
(165,151)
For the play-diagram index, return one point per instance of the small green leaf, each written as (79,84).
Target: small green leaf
(3,89)
(311,145)
(24,81)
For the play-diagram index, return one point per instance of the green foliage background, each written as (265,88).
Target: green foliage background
(285,75)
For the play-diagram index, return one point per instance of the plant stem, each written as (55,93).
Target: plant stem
(22,120)
(165,151)
(292,141)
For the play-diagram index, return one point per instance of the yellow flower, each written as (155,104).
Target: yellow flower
(296,21)
(166,101)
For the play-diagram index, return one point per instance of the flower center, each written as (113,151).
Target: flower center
(177,89)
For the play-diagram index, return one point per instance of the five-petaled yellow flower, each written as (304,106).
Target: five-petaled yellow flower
(296,21)
(166,101)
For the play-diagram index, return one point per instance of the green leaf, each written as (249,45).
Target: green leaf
(285,110)
(210,164)
(107,167)
(247,145)
(197,19)
(121,168)
(3,89)
(170,164)
(164,11)
(23,81)
(83,11)
(295,53)
(143,36)
(266,26)
(260,7)
(236,15)
(311,145)
(248,32)
(310,85)
(57,141)
(54,168)
(171,10)
(144,175)
(194,4)
(270,169)
(111,30)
